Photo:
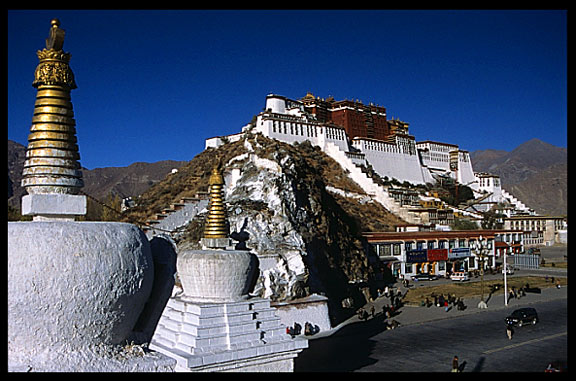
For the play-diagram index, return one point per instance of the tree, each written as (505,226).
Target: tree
(463,224)
(492,220)
(112,213)
(14,214)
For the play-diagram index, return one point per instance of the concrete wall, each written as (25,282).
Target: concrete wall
(313,309)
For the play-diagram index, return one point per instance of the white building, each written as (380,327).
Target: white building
(364,135)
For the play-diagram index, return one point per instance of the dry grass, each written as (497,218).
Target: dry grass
(473,289)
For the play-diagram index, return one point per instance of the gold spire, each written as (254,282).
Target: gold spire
(216,221)
(52,155)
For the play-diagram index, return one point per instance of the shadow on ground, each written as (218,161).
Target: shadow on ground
(344,351)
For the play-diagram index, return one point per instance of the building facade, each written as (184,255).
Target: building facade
(367,138)
(409,252)
(541,230)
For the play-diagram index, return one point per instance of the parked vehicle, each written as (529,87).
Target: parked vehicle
(522,316)
(424,276)
(509,270)
(556,366)
(459,276)
(534,251)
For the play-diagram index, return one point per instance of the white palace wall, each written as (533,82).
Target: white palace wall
(391,160)
(465,172)
(291,129)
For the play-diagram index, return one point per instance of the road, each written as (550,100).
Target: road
(479,340)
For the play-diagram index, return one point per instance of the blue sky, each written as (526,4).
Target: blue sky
(154,84)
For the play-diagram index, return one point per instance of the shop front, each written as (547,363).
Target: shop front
(437,261)
(459,260)
(415,259)
(426,261)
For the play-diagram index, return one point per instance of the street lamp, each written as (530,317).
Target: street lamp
(505,283)
(481,255)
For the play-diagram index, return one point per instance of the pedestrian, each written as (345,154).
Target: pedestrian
(441,300)
(455,364)
(558,283)
(297,329)
(386,291)
(509,331)
(446,308)
(372,311)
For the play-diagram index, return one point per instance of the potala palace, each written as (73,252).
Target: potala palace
(359,135)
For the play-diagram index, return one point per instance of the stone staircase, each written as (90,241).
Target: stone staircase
(379,193)
(176,215)
(517,203)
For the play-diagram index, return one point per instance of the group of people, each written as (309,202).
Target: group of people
(388,310)
(516,294)
(395,297)
(444,301)
(551,279)
(309,329)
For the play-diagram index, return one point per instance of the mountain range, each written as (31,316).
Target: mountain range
(535,172)
(128,181)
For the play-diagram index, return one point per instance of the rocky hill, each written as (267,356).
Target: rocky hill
(294,207)
(535,172)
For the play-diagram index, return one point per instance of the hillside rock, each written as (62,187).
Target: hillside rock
(280,206)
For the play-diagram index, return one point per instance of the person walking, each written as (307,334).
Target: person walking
(455,364)
(509,331)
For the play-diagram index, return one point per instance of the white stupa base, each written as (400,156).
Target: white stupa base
(240,336)
(55,206)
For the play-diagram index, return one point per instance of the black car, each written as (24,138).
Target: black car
(521,316)
(418,277)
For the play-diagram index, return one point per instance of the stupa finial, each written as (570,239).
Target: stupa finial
(51,166)
(216,221)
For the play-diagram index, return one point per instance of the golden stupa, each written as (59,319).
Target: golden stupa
(216,222)
(52,156)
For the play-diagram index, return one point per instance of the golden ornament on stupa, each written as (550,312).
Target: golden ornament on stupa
(216,222)
(52,156)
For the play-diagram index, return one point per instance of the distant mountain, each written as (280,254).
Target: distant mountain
(128,181)
(16,158)
(535,172)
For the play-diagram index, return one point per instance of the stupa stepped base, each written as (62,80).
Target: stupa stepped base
(235,336)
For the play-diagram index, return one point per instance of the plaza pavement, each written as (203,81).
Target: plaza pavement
(409,315)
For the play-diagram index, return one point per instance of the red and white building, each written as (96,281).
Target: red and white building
(441,253)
